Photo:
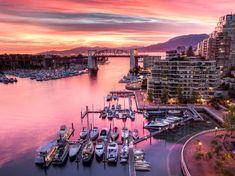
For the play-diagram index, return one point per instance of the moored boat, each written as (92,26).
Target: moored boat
(124,153)
(46,153)
(61,154)
(114,134)
(99,148)
(135,134)
(125,133)
(74,149)
(83,133)
(94,133)
(104,134)
(88,152)
(112,152)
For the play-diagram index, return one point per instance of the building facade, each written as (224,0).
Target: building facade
(148,61)
(191,75)
(220,45)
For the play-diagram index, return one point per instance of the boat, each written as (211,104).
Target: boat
(103,115)
(140,163)
(156,124)
(88,152)
(112,152)
(83,133)
(135,134)
(115,97)
(94,133)
(64,132)
(118,107)
(174,111)
(114,134)
(109,97)
(99,148)
(125,133)
(146,114)
(104,134)
(124,153)
(74,148)
(110,114)
(113,108)
(156,112)
(116,114)
(46,153)
(132,115)
(61,154)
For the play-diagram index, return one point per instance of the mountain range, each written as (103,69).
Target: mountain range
(171,44)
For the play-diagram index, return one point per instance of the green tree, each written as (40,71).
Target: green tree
(229,120)
(144,84)
(150,96)
(179,94)
(195,96)
(164,96)
(190,51)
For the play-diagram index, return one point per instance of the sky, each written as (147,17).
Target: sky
(32,26)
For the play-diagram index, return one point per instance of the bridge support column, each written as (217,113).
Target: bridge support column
(92,61)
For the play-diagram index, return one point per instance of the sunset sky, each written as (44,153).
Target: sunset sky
(31,26)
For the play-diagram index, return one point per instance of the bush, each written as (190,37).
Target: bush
(214,142)
(219,164)
(218,149)
(209,155)
(225,172)
(199,156)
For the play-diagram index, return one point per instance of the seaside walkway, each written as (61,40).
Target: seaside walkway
(132,171)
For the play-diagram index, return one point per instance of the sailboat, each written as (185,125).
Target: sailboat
(114,134)
(94,132)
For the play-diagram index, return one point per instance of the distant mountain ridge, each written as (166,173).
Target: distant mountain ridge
(184,40)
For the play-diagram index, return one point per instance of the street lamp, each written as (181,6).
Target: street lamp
(216,128)
(199,145)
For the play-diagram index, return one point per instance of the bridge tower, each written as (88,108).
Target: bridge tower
(92,61)
(133,59)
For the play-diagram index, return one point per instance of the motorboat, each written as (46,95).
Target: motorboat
(88,152)
(135,134)
(94,133)
(156,124)
(46,153)
(124,153)
(113,108)
(112,152)
(139,160)
(74,149)
(132,115)
(64,132)
(125,133)
(103,115)
(110,115)
(116,114)
(99,148)
(174,111)
(83,133)
(115,97)
(104,133)
(61,154)
(156,112)
(114,134)
(109,97)
(118,107)
(146,114)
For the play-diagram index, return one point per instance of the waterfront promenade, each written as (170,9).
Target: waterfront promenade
(202,143)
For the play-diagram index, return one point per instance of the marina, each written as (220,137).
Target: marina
(149,142)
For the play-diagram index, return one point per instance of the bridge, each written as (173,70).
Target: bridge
(94,56)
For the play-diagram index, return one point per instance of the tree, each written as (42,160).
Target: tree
(150,96)
(195,96)
(164,96)
(229,120)
(190,51)
(179,95)
(144,84)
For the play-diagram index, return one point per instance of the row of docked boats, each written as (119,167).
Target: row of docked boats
(117,112)
(110,97)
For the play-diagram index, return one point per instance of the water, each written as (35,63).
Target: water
(32,112)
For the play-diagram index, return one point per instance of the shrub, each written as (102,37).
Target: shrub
(219,164)
(199,156)
(225,172)
(214,142)
(209,155)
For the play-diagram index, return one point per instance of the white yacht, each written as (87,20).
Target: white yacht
(94,133)
(114,134)
(83,133)
(125,133)
(99,148)
(74,149)
(112,152)
(124,153)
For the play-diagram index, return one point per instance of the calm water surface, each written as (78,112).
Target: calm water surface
(32,112)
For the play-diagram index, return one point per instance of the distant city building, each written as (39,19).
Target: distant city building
(133,59)
(190,74)
(172,54)
(220,45)
(148,61)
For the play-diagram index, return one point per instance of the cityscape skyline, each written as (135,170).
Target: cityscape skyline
(32,26)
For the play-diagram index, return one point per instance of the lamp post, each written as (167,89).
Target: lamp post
(216,128)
